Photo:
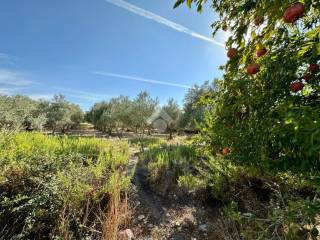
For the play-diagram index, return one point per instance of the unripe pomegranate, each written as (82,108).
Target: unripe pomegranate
(253,68)
(261,51)
(314,68)
(232,52)
(293,13)
(225,151)
(296,86)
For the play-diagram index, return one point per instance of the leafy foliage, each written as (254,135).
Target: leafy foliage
(193,108)
(62,114)
(55,187)
(173,110)
(258,116)
(121,112)
(21,112)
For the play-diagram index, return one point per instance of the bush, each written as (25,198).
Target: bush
(55,187)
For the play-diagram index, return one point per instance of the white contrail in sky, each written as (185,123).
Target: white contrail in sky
(139,79)
(154,17)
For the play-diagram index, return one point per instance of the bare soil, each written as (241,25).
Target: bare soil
(173,216)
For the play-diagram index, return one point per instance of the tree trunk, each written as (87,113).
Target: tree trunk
(170,135)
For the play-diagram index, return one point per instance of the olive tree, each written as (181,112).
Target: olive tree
(143,107)
(63,115)
(193,107)
(21,112)
(174,112)
(122,113)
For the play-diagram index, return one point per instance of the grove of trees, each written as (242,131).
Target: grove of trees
(116,115)
(21,112)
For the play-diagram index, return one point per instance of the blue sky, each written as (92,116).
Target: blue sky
(92,50)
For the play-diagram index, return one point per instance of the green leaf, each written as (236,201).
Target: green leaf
(189,2)
(178,3)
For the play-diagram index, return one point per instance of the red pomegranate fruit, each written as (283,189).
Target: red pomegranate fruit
(253,68)
(294,12)
(296,86)
(225,151)
(261,52)
(314,68)
(232,52)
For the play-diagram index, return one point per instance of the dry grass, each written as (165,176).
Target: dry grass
(226,229)
(63,228)
(118,213)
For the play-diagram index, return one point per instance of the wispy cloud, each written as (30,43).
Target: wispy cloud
(13,78)
(161,20)
(139,79)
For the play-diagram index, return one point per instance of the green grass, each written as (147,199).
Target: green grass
(47,184)
(146,142)
(178,159)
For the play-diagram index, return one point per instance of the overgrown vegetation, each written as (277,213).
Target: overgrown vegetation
(60,188)
(264,118)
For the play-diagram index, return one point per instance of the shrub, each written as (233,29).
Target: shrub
(57,187)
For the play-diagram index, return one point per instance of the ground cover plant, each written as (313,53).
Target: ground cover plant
(59,187)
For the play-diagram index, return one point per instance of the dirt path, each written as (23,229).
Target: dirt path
(152,205)
(160,217)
